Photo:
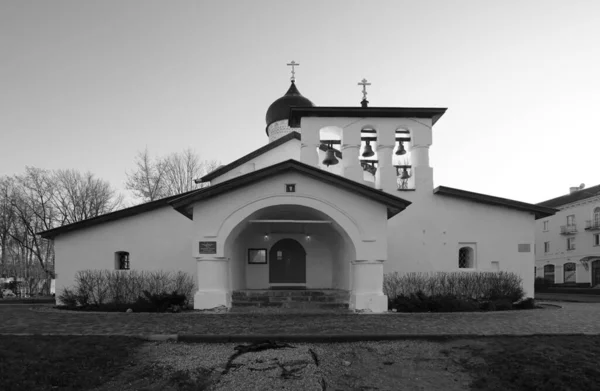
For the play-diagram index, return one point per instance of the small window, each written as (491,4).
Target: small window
(570,243)
(546,247)
(257,256)
(549,273)
(546,225)
(596,217)
(122,260)
(524,247)
(466,258)
(596,239)
(571,220)
(495,266)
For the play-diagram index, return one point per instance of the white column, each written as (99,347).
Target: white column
(213,283)
(351,167)
(367,286)
(385,177)
(419,153)
(310,141)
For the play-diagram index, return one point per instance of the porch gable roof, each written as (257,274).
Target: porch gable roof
(394,204)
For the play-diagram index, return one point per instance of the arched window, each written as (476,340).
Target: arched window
(122,260)
(569,273)
(466,258)
(549,273)
(597,217)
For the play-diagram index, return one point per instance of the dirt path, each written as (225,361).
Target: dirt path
(402,365)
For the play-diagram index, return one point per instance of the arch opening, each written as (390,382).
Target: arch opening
(324,244)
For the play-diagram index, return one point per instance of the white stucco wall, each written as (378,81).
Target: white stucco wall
(156,240)
(559,254)
(365,221)
(426,237)
(289,150)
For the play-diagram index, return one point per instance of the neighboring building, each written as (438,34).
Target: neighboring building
(568,243)
(335,199)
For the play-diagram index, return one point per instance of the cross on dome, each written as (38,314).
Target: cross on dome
(293,64)
(364,85)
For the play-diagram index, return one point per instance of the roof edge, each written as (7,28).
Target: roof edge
(296,113)
(112,216)
(256,153)
(394,203)
(538,211)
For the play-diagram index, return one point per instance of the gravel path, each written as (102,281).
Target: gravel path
(571,318)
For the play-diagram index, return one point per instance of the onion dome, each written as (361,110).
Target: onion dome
(280,109)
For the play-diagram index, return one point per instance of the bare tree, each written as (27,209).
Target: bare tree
(82,196)
(40,200)
(146,180)
(173,174)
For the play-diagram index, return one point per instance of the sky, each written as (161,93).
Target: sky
(88,84)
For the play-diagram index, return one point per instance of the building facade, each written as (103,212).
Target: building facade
(337,197)
(568,243)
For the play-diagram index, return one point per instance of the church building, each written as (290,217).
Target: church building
(336,198)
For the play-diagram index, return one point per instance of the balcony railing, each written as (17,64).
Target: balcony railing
(568,229)
(592,225)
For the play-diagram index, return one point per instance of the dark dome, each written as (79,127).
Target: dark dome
(280,109)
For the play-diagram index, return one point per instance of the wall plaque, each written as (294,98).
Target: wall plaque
(208,248)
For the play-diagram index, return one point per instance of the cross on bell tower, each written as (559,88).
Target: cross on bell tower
(364,84)
(293,64)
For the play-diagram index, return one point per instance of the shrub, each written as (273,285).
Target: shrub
(116,290)
(527,304)
(68,298)
(481,286)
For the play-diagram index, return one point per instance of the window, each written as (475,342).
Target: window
(122,260)
(571,220)
(569,273)
(524,247)
(596,220)
(257,256)
(466,258)
(546,247)
(549,273)
(570,243)
(546,225)
(596,239)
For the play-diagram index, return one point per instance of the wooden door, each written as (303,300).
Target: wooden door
(287,262)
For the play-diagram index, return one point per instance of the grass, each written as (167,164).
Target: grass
(565,363)
(62,363)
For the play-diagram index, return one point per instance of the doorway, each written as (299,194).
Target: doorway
(595,273)
(287,263)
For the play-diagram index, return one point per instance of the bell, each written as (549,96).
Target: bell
(405,175)
(401,150)
(368,150)
(330,159)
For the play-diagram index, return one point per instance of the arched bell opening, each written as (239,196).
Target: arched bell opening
(368,153)
(326,262)
(402,159)
(329,149)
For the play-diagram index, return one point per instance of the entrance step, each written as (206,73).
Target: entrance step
(309,299)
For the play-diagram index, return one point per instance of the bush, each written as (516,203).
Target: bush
(116,290)
(480,286)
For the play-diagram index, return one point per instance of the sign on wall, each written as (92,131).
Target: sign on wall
(208,248)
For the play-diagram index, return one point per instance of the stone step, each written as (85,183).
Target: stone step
(290,305)
(291,293)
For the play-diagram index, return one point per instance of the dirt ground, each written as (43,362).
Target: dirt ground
(399,365)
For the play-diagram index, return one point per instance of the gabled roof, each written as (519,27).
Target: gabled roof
(244,159)
(538,211)
(573,197)
(296,113)
(119,214)
(394,204)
